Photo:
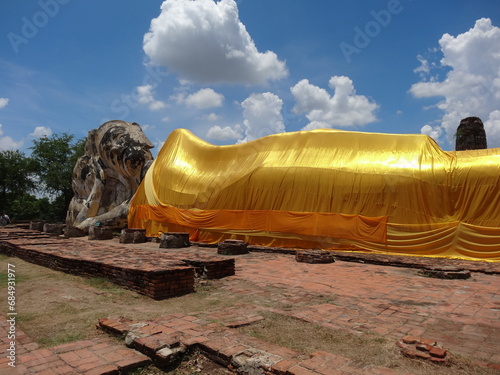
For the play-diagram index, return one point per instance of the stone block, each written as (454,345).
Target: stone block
(55,229)
(131,235)
(74,232)
(37,225)
(232,247)
(174,240)
(100,233)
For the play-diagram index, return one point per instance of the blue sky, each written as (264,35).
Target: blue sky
(232,71)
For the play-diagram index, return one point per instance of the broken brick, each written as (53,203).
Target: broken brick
(438,352)
(410,353)
(428,342)
(422,355)
(424,348)
(410,339)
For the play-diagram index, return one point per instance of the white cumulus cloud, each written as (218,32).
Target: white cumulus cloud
(472,84)
(343,108)
(226,133)
(202,99)
(205,41)
(262,116)
(7,143)
(212,117)
(4,102)
(492,128)
(41,131)
(432,131)
(145,96)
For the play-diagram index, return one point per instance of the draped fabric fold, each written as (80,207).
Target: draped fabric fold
(327,189)
(317,224)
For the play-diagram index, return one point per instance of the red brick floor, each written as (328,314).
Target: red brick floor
(91,357)
(462,315)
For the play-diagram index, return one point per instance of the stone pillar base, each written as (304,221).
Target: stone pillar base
(37,225)
(174,240)
(132,235)
(74,232)
(55,229)
(232,247)
(98,233)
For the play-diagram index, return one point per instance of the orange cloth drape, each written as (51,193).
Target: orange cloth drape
(317,224)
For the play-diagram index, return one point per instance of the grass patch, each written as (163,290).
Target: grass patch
(25,317)
(20,278)
(362,349)
(104,285)
(59,339)
(307,337)
(150,370)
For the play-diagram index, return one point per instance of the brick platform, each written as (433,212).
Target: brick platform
(156,274)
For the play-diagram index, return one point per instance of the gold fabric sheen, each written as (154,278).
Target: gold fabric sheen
(327,189)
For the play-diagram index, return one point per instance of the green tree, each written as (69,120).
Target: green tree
(17,177)
(46,210)
(54,158)
(25,207)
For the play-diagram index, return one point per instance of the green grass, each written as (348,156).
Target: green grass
(306,338)
(362,349)
(20,278)
(104,284)
(25,317)
(55,340)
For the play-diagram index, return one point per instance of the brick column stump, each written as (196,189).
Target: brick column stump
(314,256)
(132,235)
(99,233)
(232,247)
(174,240)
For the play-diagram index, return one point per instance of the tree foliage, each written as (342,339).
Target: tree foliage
(25,207)
(54,158)
(17,177)
(39,186)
